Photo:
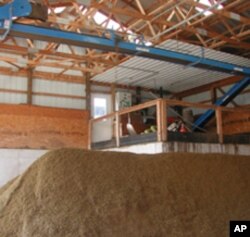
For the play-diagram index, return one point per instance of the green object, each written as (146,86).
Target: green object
(153,128)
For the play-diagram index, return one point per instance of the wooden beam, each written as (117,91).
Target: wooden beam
(29,85)
(30,81)
(42,94)
(197,21)
(59,95)
(213,95)
(159,120)
(219,124)
(164,121)
(206,87)
(113,88)
(90,128)
(88,92)
(42,75)
(51,54)
(13,91)
(117,129)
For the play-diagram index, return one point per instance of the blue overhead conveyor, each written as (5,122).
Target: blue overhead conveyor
(22,8)
(224,100)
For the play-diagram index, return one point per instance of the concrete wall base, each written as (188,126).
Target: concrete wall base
(14,161)
(161,147)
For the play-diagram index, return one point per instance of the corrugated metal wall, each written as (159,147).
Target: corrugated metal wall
(13,89)
(13,83)
(62,88)
(43,88)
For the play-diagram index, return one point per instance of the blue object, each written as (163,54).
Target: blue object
(224,100)
(17,8)
(115,44)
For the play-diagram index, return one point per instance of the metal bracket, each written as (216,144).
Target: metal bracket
(201,58)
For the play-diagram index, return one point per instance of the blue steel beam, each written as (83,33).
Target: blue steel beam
(116,45)
(224,100)
(15,9)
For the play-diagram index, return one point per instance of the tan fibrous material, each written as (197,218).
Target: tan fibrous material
(74,193)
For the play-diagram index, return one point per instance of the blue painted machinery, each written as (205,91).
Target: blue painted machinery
(22,8)
(224,100)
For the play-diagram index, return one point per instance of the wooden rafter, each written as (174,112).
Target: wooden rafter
(226,28)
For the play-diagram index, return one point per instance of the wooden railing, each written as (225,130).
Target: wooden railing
(161,117)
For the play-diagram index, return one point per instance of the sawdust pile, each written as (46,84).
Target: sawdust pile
(73,193)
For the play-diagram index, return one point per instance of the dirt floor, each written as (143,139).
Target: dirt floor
(74,193)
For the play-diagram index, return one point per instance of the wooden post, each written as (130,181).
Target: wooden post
(88,92)
(30,81)
(213,95)
(113,97)
(138,95)
(159,119)
(219,124)
(30,85)
(164,120)
(90,134)
(117,129)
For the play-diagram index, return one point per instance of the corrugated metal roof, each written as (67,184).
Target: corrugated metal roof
(151,73)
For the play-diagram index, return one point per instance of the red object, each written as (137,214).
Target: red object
(183,128)
(170,120)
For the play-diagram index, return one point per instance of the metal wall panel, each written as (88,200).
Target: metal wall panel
(13,83)
(12,98)
(9,82)
(59,102)
(57,87)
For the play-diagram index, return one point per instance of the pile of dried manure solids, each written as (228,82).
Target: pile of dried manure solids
(74,193)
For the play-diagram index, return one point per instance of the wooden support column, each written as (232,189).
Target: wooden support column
(213,95)
(117,129)
(219,124)
(113,88)
(164,120)
(159,119)
(90,134)
(88,92)
(30,81)
(138,95)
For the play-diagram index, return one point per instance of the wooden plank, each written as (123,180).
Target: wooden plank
(206,87)
(213,95)
(113,97)
(189,104)
(89,135)
(12,91)
(117,129)
(159,120)
(139,107)
(59,95)
(164,120)
(103,117)
(30,85)
(35,110)
(88,92)
(219,124)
